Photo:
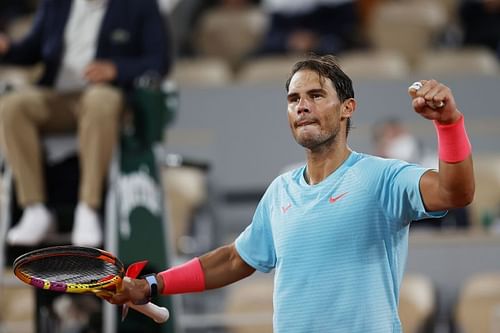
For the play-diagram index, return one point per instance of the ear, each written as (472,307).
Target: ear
(348,108)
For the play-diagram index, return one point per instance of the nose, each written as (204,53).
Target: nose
(302,106)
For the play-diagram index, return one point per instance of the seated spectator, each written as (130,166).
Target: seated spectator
(322,27)
(392,139)
(480,21)
(92,51)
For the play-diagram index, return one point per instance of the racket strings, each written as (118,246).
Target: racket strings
(70,269)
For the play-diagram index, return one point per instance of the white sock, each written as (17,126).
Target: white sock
(86,228)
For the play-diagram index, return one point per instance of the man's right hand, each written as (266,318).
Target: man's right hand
(131,290)
(4,44)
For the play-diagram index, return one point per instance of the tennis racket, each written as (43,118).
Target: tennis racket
(78,270)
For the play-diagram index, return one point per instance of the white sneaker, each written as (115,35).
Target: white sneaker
(35,225)
(86,227)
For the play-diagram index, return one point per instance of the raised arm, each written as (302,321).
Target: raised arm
(215,269)
(453,185)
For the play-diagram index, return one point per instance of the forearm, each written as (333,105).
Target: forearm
(456,175)
(215,269)
(453,186)
(456,182)
(224,266)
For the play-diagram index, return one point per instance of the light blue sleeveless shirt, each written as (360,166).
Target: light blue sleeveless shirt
(339,247)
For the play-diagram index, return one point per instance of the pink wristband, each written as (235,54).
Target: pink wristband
(186,278)
(453,143)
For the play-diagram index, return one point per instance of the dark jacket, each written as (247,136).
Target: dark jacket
(133,36)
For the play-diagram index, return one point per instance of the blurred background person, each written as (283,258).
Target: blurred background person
(319,26)
(392,139)
(480,21)
(92,51)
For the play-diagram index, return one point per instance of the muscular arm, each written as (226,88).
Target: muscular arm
(220,267)
(453,186)
(224,266)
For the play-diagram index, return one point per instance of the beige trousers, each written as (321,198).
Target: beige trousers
(28,114)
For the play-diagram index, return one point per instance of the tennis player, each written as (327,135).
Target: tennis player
(336,229)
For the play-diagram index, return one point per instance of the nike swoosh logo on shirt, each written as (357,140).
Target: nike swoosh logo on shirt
(334,199)
(285,209)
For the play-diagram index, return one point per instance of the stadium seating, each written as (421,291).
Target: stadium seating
(455,62)
(487,175)
(199,72)
(382,64)
(409,27)
(269,69)
(478,308)
(251,301)
(213,38)
(417,303)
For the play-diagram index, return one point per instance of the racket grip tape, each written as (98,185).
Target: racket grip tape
(157,313)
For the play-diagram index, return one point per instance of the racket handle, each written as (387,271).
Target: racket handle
(157,313)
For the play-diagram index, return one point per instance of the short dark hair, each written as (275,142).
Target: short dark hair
(327,67)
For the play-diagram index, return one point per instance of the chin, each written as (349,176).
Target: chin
(308,142)
(315,141)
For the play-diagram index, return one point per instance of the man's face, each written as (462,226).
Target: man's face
(313,110)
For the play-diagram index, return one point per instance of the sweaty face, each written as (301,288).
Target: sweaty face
(313,110)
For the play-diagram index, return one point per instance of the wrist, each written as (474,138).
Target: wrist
(454,117)
(453,142)
(152,285)
(161,283)
(149,288)
(186,278)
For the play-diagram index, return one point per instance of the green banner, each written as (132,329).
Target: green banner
(142,235)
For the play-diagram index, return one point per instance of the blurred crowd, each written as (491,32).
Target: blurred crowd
(237,31)
(334,26)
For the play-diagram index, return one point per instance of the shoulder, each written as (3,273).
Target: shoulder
(292,175)
(375,162)
(128,12)
(143,5)
(362,162)
(52,11)
(55,3)
(52,3)
(373,168)
(289,178)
